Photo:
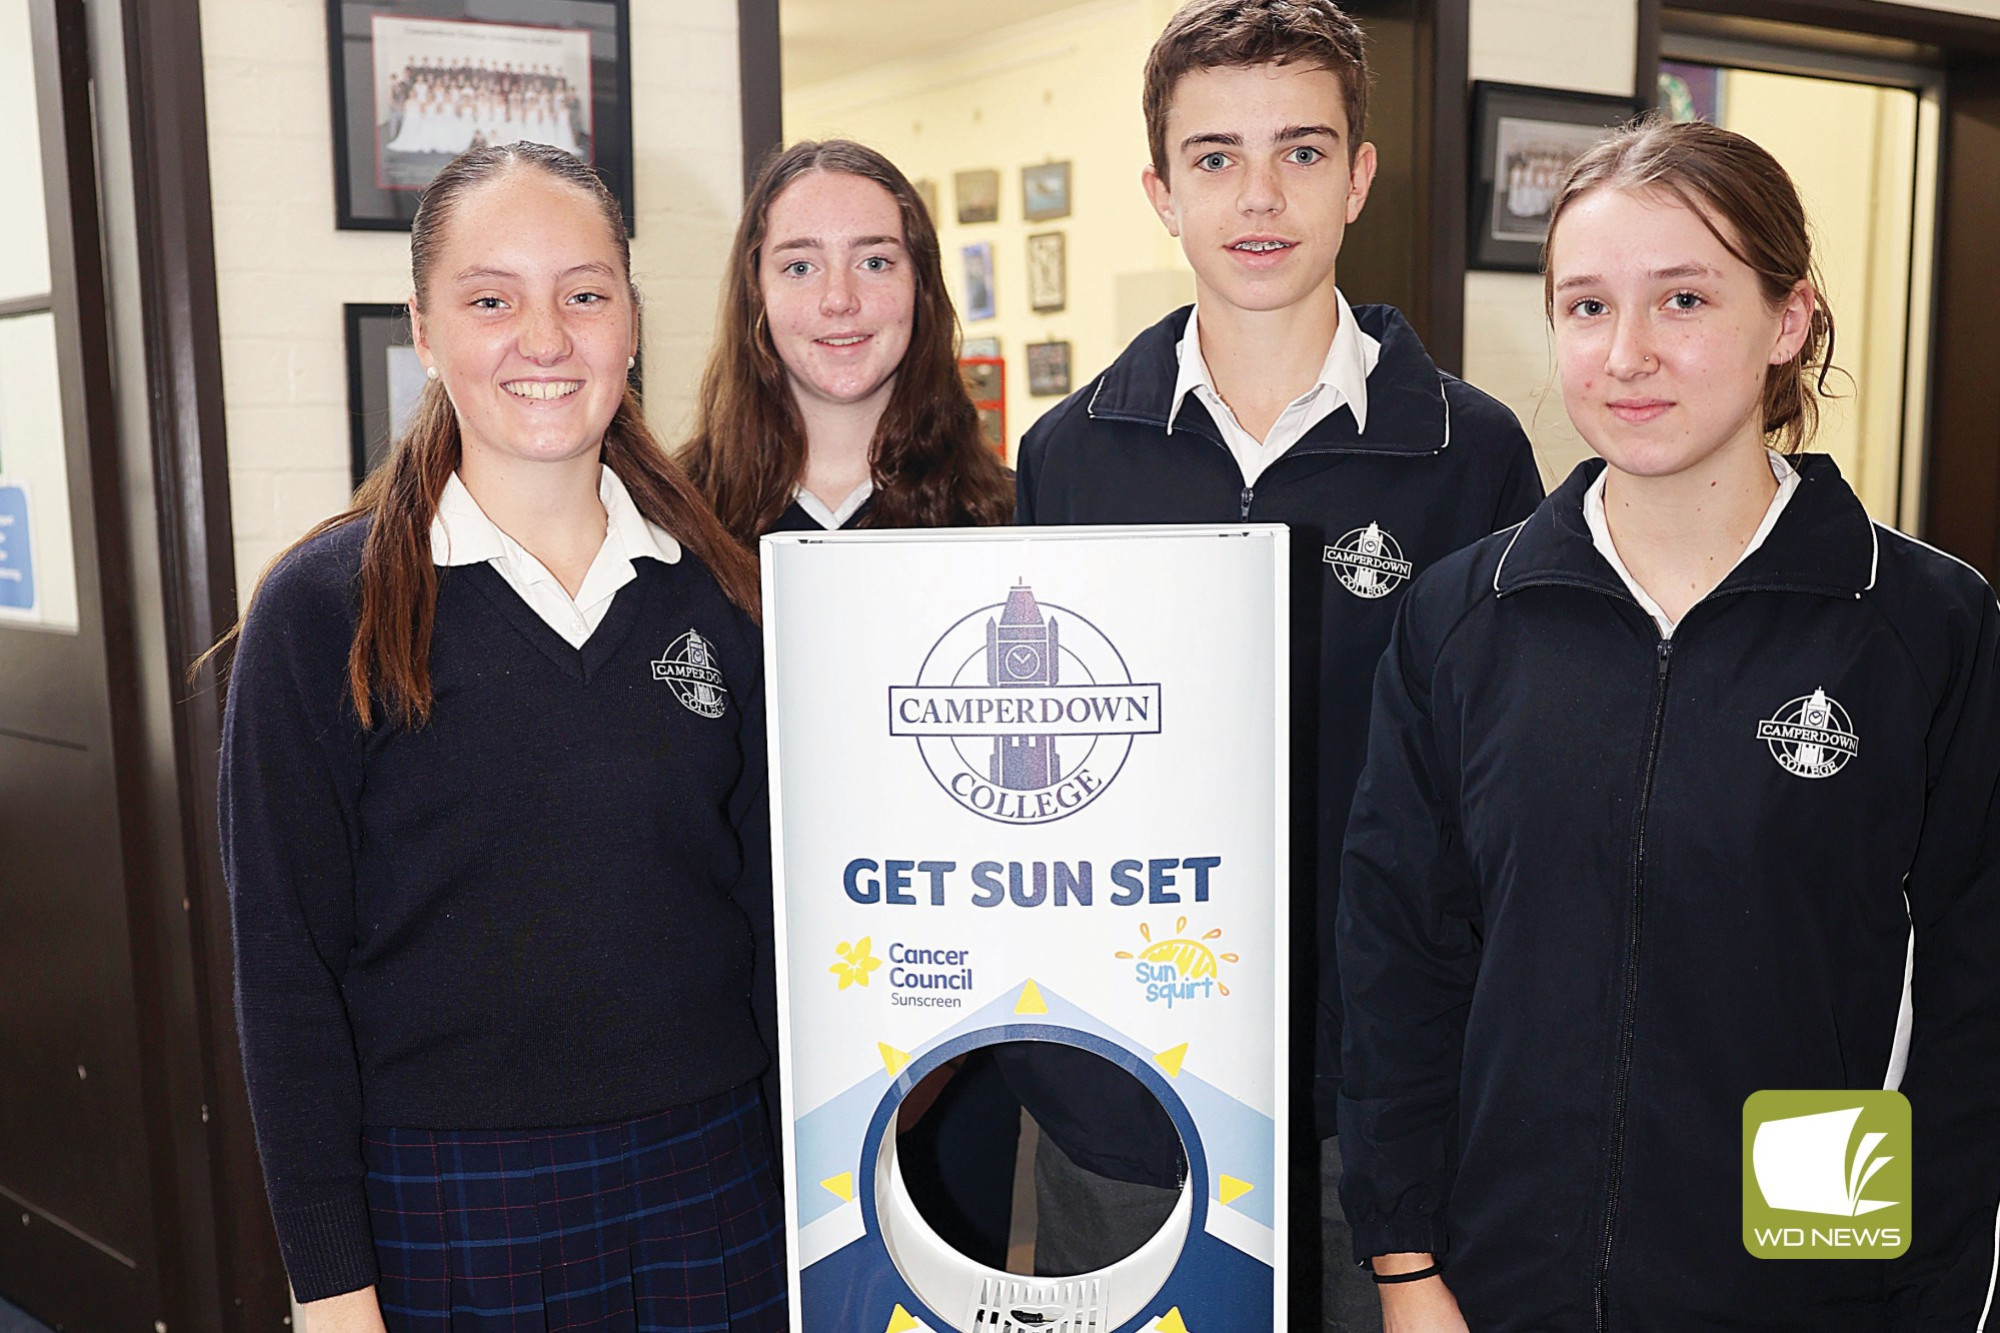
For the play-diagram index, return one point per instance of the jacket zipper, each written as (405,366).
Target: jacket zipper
(1249,494)
(1623,1077)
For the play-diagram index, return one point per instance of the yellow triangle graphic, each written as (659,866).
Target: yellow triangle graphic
(1031,1001)
(1171,1060)
(900,1321)
(1229,1189)
(1171,1322)
(893,1060)
(843,1185)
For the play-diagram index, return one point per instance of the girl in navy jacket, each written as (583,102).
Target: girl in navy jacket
(1683,789)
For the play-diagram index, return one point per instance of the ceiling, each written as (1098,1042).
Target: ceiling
(825,39)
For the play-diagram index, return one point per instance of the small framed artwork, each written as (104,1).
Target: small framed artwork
(1048,369)
(384,381)
(417,82)
(1524,142)
(977,194)
(973,348)
(993,427)
(1690,92)
(978,280)
(1045,191)
(927,191)
(1048,279)
(984,378)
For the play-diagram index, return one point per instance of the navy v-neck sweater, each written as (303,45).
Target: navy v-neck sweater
(549,906)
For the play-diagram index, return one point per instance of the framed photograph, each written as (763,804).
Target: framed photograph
(973,348)
(417,82)
(384,381)
(1048,369)
(1690,92)
(978,280)
(977,194)
(1045,191)
(985,379)
(993,427)
(1523,141)
(1048,276)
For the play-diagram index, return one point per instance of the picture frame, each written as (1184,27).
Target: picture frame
(1048,369)
(977,195)
(415,82)
(385,379)
(973,348)
(1523,141)
(1048,272)
(985,379)
(979,293)
(1045,191)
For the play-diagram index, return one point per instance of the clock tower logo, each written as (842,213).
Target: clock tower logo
(1024,712)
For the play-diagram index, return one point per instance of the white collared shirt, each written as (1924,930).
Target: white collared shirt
(1600,534)
(1350,360)
(834,519)
(462,534)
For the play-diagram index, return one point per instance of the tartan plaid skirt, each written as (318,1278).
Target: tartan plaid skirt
(671,1222)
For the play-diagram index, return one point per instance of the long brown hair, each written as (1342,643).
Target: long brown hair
(1750,205)
(398,583)
(928,462)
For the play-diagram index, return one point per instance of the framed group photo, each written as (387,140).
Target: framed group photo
(417,82)
(1524,140)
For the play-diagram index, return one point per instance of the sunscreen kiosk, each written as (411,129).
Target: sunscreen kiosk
(1029,785)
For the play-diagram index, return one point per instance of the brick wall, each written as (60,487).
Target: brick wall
(283,271)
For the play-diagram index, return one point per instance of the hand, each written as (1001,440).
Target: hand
(352,1312)
(1423,1306)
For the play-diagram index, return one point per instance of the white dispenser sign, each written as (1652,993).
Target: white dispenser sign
(1029,786)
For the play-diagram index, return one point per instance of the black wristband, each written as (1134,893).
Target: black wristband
(1416,1275)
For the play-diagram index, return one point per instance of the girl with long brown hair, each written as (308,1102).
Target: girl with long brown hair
(833,398)
(493,822)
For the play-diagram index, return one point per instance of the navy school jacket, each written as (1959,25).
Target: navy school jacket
(1440,465)
(1600,887)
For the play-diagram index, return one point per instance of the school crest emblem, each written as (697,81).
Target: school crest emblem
(1811,737)
(690,671)
(1368,562)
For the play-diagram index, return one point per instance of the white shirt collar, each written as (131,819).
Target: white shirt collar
(1343,376)
(834,519)
(462,534)
(1600,534)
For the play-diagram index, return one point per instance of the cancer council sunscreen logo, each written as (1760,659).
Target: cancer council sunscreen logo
(1826,1175)
(1024,711)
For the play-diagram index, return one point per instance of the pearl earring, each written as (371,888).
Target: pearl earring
(631,362)
(430,372)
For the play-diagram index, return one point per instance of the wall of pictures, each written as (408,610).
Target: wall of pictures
(1031,141)
(284,271)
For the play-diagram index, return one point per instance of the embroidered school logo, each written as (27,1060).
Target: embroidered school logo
(1826,1174)
(1179,968)
(1811,737)
(690,671)
(1024,713)
(1368,562)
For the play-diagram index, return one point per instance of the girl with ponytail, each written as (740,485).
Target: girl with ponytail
(494,827)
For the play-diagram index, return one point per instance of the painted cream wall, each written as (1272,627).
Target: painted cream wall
(1851,149)
(1587,45)
(1062,88)
(283,271)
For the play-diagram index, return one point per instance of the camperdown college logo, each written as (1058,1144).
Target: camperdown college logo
(1368,562)
(1826,1175)
(1024,712)
(1811,737)
(690,671)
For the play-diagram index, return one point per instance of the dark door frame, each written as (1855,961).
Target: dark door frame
(1961,480)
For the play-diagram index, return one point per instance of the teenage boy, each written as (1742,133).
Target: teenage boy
(1273,400)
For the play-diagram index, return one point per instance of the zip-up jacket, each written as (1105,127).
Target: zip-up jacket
(1600,886)
(1440,465)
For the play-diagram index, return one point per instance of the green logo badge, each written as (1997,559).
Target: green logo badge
(1826,1175)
